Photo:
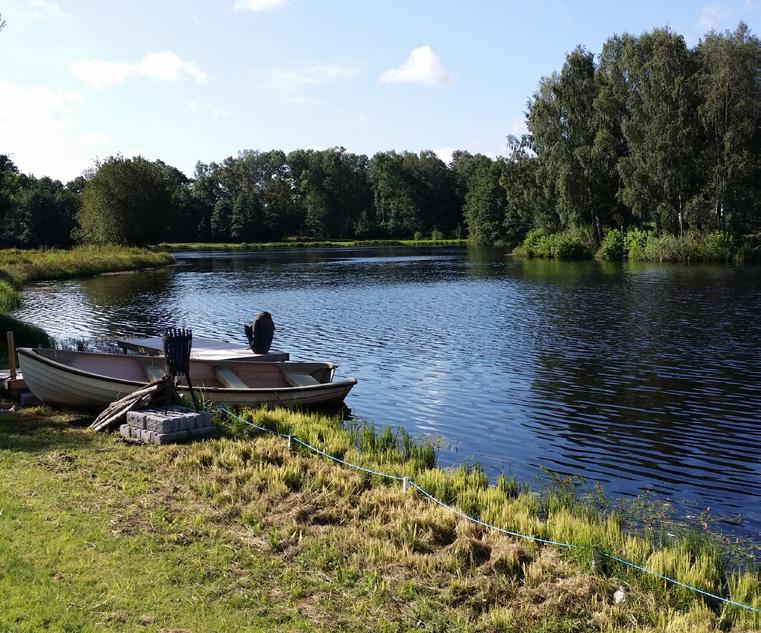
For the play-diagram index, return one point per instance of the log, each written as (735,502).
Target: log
(116,413)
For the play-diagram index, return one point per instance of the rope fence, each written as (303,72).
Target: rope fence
(407,482)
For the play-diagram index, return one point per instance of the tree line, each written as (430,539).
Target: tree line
(648,134)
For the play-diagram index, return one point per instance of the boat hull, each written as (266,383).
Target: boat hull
(55,383)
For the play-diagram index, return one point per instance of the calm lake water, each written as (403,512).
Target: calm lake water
(646,378)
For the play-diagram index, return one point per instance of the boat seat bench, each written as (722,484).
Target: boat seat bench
(298,379)
(228,379)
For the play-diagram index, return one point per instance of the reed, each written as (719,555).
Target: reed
(20,266)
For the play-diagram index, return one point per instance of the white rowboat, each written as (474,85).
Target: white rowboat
(92,380)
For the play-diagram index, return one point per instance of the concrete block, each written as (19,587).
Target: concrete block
(166,426)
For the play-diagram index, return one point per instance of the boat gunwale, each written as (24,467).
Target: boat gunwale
(34,355)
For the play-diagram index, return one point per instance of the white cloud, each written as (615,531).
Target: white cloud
(259,5)
(45,10)
(99,73)
(713,16)
(162,66)
(445,153)
(167,66)
(41,133)
(422,66)
(194,106)
(290,85)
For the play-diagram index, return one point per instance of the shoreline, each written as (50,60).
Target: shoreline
(18,267)
(233,246)
(251,532)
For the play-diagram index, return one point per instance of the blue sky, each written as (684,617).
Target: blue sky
(193,80)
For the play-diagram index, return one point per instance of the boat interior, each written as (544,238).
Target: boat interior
(219,374)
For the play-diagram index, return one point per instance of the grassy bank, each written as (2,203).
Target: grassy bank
(221,246)
(20,266)
(239,533)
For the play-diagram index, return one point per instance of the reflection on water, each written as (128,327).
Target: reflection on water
(643,377)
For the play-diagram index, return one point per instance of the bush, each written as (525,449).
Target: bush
(749,249)
(635,243)
(567,245)
(437,235)
(612,247)
(716,247)
(417,236)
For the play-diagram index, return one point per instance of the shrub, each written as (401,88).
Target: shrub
(635,242)
(417,236)
(437,235)
(567,245)
(612,246)
(715,247)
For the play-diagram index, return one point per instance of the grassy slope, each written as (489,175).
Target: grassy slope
(239,534)
(20,266)
(214,246)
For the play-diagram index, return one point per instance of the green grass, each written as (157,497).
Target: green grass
(238,533)
(19,266)
(219,246)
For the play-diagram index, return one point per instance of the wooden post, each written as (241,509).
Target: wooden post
(11,356)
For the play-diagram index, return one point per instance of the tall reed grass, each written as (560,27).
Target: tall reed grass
(559,514)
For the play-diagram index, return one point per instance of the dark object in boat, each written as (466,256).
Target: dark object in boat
(260,333)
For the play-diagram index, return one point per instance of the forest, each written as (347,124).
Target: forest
(648,138)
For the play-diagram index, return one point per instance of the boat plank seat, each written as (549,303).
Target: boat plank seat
(297,378)
(228,379)
(153,372)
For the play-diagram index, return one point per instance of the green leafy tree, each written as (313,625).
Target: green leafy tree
(563,126)
(126,201)
(610,112)
(730,115)
(485,202)
(46,214)
(661,130)
(246,218)
(10,184)
(529,202)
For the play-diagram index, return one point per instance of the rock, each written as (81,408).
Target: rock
(619,596)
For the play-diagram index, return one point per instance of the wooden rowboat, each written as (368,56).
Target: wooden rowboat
(92,380)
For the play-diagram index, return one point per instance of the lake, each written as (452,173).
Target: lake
(644,377)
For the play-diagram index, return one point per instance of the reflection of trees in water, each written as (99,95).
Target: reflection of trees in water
(331,268)
(648,379)
(138,302)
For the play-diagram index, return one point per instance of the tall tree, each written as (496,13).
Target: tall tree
(562,122)
(485,201)
(47,213)
(661,131)
(729,83)
(126,201)
(611,110)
